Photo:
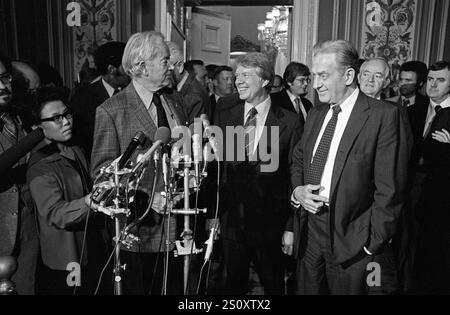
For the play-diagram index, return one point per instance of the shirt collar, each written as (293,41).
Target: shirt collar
(443,104)
(183,81)
(349,101)
(412,99)
(108,88)
(145,95)
(262,108)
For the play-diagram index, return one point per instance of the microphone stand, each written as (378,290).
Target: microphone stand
(117,265)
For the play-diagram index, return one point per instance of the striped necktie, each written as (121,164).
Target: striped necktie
(9,127)
(250,131)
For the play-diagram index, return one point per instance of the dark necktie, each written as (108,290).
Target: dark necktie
(436,108)
(299,108)
(250,131)
(314,174)
(160,112)
(116,91)
(9,127)
(405,102)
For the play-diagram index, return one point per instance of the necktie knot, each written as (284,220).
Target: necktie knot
(437,108)
(116,91)
(336,109)
(253,112)
(406,102)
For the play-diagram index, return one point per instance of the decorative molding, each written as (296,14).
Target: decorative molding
(420,8)
(430,29)
(304,29)
(336,11)
(348,19)
(443,29)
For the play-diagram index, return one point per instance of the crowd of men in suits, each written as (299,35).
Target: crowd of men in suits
(360,182)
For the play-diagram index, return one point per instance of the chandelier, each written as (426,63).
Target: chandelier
(274,32)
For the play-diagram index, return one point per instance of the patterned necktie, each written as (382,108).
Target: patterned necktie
(250,130)
(161,113)
(406,102)
(317,166)
(9,127)
(299,109)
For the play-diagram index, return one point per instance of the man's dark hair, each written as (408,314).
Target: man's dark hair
(211,69)
(418,67)
(440,65)
(219,69)
(49,75)
(293,70)
(189,65)
(6,62)
(48,94)
(110,53)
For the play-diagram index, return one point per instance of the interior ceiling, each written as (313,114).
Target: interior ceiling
(190,3)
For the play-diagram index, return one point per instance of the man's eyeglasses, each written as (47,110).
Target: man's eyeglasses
(6,78)
(59,118)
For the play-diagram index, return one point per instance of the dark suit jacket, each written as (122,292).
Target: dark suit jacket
(283,100)
(117,121)
(195,98)
(368,181)
(84,103)
(417,114)
(255,204)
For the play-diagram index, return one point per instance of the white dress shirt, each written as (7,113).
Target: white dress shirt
(108,88)
(347,108)
(263,110)
(432,113)
(294,103)
(147,97)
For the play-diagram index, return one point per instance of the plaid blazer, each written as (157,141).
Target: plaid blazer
(117,120)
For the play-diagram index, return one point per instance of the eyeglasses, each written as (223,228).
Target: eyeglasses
(59,118)
(6,78)
(304,80)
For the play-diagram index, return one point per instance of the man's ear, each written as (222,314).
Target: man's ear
(265,83)
(350,76)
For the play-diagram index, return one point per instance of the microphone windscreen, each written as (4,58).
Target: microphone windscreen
(140,137)
(163,134)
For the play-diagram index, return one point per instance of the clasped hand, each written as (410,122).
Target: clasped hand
(304,196)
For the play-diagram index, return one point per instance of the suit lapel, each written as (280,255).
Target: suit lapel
(139,110)
(357,119)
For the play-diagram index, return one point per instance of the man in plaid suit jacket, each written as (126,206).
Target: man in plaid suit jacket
(118,119)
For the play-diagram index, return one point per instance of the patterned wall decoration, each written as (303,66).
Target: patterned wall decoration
(389,30)
(98,26)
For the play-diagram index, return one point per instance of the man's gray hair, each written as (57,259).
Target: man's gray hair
(175,52)
(140,48)
(346,55)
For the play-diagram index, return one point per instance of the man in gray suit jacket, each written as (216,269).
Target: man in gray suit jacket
(140,107)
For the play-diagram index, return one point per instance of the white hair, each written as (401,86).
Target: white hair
(141,47)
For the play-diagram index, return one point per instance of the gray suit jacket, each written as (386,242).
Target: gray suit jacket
(117,120)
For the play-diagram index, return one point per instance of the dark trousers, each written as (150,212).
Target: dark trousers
(316,274)
(142,278)
(268,262)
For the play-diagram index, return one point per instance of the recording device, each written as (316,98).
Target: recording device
(138,139)
(15,153)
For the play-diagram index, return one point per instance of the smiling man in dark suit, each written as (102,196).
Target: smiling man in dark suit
(255,198)
(348,176)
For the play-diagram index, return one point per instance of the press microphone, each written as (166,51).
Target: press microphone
(162,136)
(15,153)
(165,166)
(138,139)
(208,130)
